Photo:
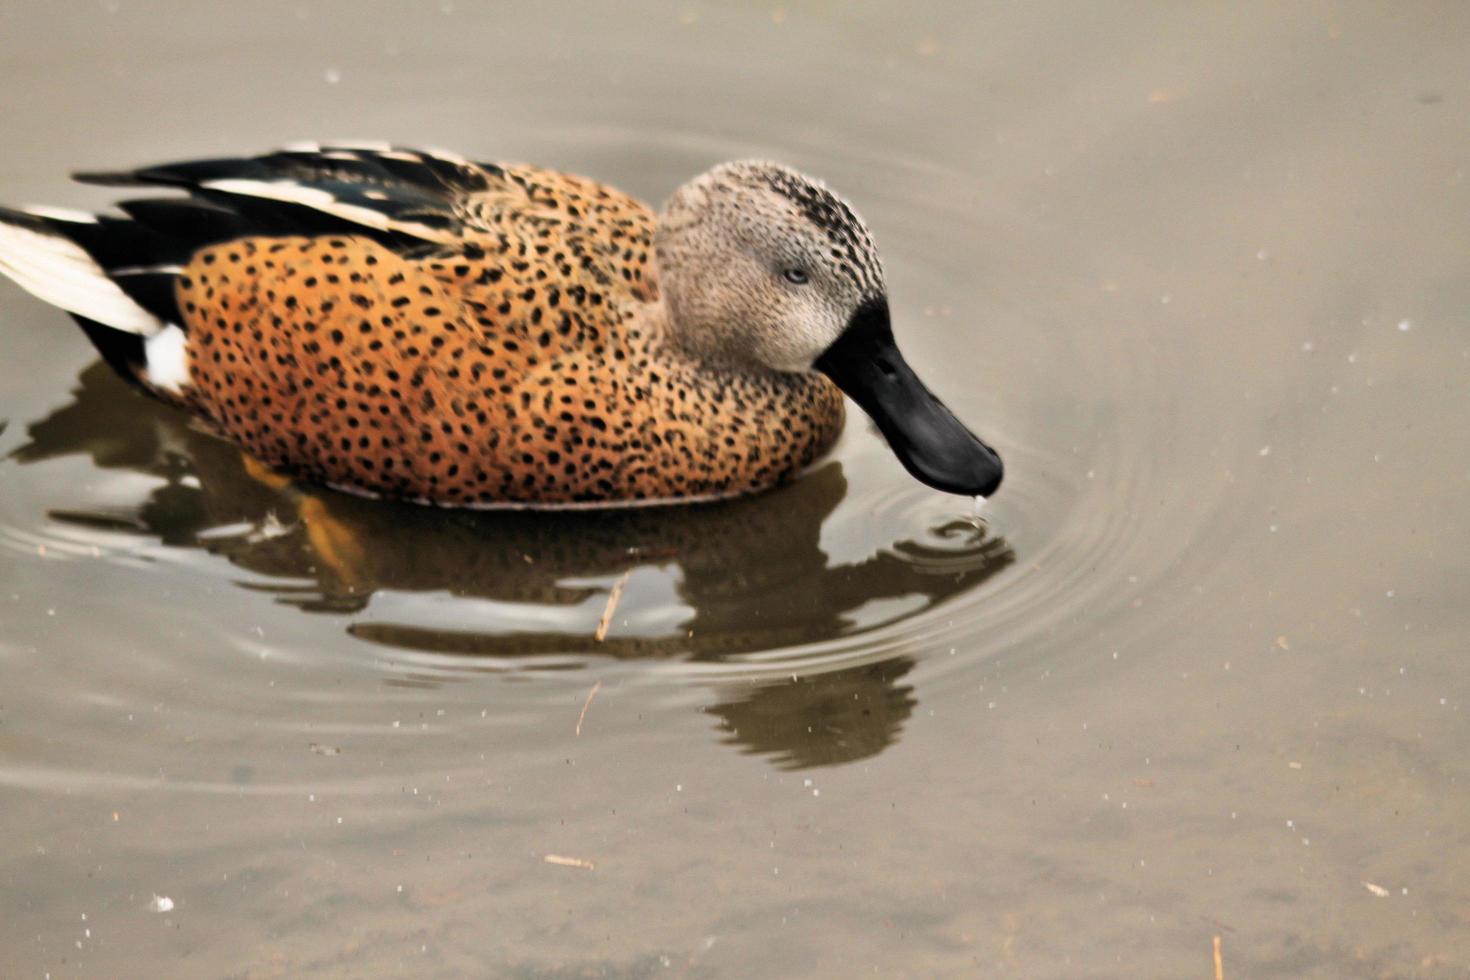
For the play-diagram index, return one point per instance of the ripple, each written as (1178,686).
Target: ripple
(846,581)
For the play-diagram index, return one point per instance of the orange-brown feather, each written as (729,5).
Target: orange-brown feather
(522,368)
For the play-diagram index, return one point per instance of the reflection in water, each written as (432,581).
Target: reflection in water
(748,576)
(825,719)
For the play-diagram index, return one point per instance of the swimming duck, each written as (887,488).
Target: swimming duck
(412,324)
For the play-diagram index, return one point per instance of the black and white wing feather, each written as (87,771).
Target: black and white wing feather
(116,273)
(402,197)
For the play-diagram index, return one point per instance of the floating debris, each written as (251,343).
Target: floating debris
(1377,890)
(269,529)
(162,903)
(561,860)
(613,595)
(587,704)
(320,749)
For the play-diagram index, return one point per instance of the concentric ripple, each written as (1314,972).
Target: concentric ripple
(844,581)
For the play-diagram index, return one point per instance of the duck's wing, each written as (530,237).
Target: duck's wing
(117,273)
(401,197)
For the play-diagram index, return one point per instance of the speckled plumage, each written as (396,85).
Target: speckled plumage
(518,365)
(450,332)
(412,324)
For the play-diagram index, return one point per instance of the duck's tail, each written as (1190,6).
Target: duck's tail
(114,275)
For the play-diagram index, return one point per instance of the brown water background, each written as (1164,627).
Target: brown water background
(1201,272)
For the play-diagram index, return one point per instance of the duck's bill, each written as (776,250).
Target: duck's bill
(931,443)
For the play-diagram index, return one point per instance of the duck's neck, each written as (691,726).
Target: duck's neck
(707,352)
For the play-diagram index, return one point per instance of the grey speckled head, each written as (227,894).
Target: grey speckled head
(762,266)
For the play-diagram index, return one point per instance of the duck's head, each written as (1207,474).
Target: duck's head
(763,268)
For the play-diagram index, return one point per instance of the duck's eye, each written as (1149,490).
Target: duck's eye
(796,275)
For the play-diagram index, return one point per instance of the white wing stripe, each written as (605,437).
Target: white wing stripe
(58,271)
(144,270)
(320,200)
(60,214)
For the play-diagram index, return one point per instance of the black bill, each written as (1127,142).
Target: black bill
(931,443)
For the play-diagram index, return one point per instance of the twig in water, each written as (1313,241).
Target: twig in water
(569,862)
(613,595)
(587,704)
(1219,961)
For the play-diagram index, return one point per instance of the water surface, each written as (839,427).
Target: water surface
(1199,274)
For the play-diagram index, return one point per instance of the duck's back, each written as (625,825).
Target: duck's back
(416,325)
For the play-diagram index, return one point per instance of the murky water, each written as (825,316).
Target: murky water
(1201,275)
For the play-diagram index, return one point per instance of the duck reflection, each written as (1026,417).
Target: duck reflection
(822,719)
(748,575)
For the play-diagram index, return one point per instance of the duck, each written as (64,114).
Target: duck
(411,324)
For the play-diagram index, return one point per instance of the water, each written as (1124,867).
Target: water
(1195,671)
